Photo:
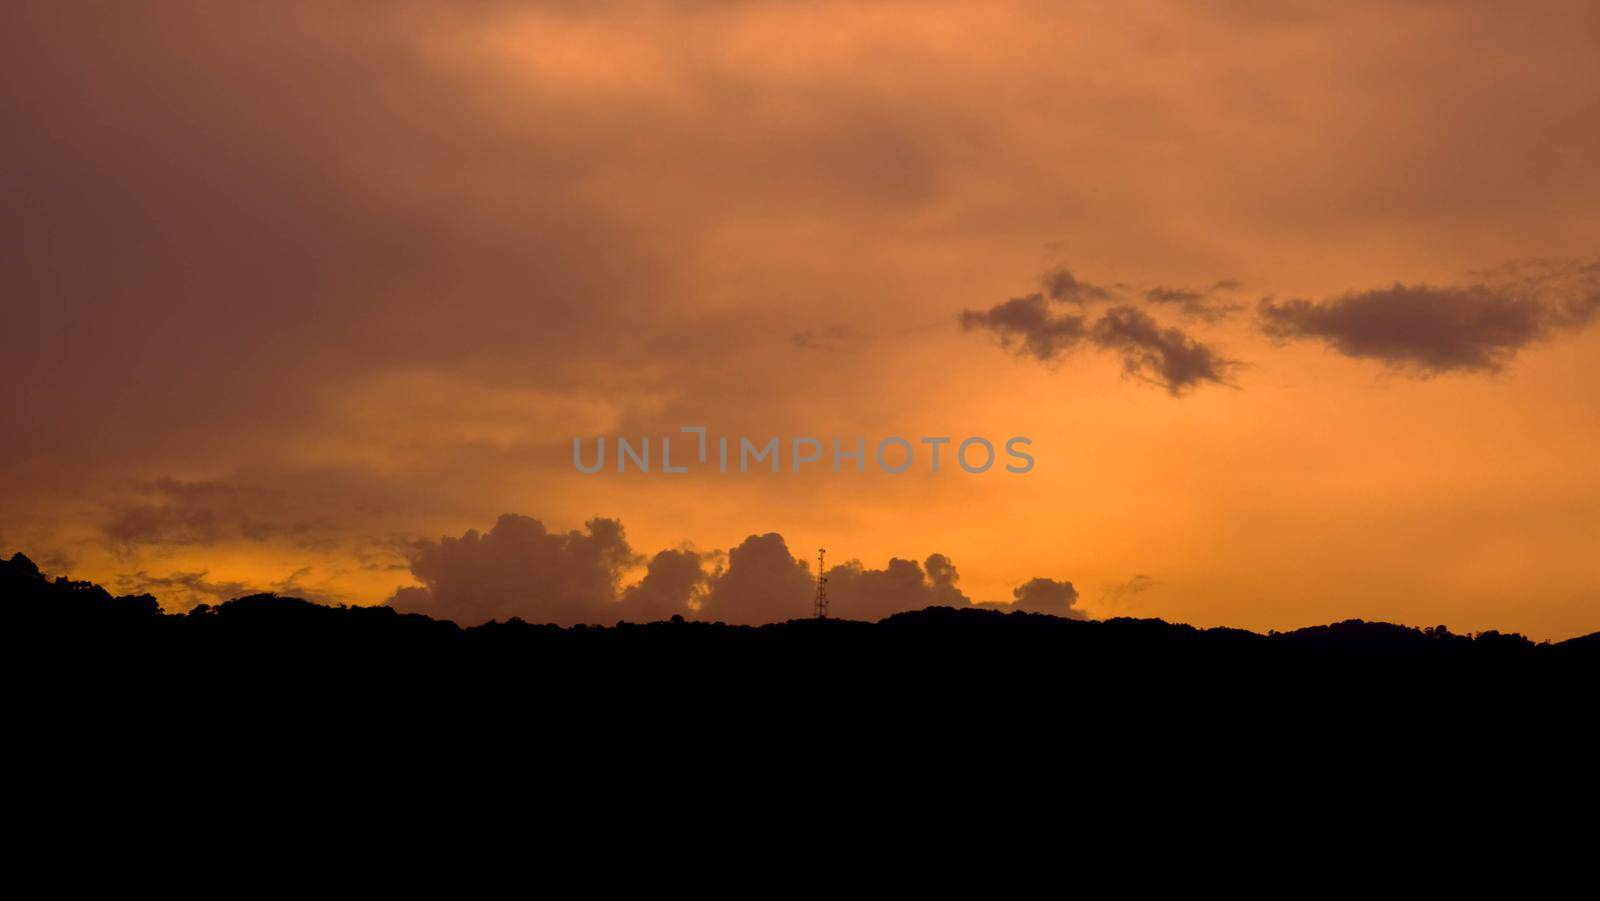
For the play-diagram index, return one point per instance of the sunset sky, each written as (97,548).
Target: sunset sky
(1299,304)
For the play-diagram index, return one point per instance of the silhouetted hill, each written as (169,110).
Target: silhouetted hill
(261,683)
(28,597)
(63,612)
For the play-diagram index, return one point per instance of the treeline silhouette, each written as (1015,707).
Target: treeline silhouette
(275,681)
(61,611)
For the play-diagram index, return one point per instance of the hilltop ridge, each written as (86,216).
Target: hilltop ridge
(60,607)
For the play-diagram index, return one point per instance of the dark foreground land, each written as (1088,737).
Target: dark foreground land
(92,677)
(287,636)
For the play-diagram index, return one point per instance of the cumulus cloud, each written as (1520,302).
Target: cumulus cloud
(674,583)
(856,592)
(1042,595)
(520,569)
(1424,330)
(761,583)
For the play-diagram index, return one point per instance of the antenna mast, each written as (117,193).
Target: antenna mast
(822,586)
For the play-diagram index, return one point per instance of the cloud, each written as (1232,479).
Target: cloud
(1042,595)
(182,590)
(1026,325)
(1173,296)
(855,592)
(341,514)
(1062,285)
(1421,330)
(1168,356)
(674,584)
(762,583)
(1163,356)
(518,568)
(1424,330)
(1119,592)
(1203,305)
(941,572)
(175,512)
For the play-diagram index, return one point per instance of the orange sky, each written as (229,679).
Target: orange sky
(289,290)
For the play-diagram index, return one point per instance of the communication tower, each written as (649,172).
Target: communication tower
(822,586)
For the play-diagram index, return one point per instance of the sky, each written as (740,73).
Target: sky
(1297,303)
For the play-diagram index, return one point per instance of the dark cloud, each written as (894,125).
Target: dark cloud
(1062,285)
(1204,305)
(518,568)
(1165,356)
(1425,330)
(855,592)
(1581,305)
(1026,325)
(320,510)
(1042,595)
(1173,296)
(761,583)
(172,512)
(941,571)
(226,217)
(674,583)
(1420,329)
